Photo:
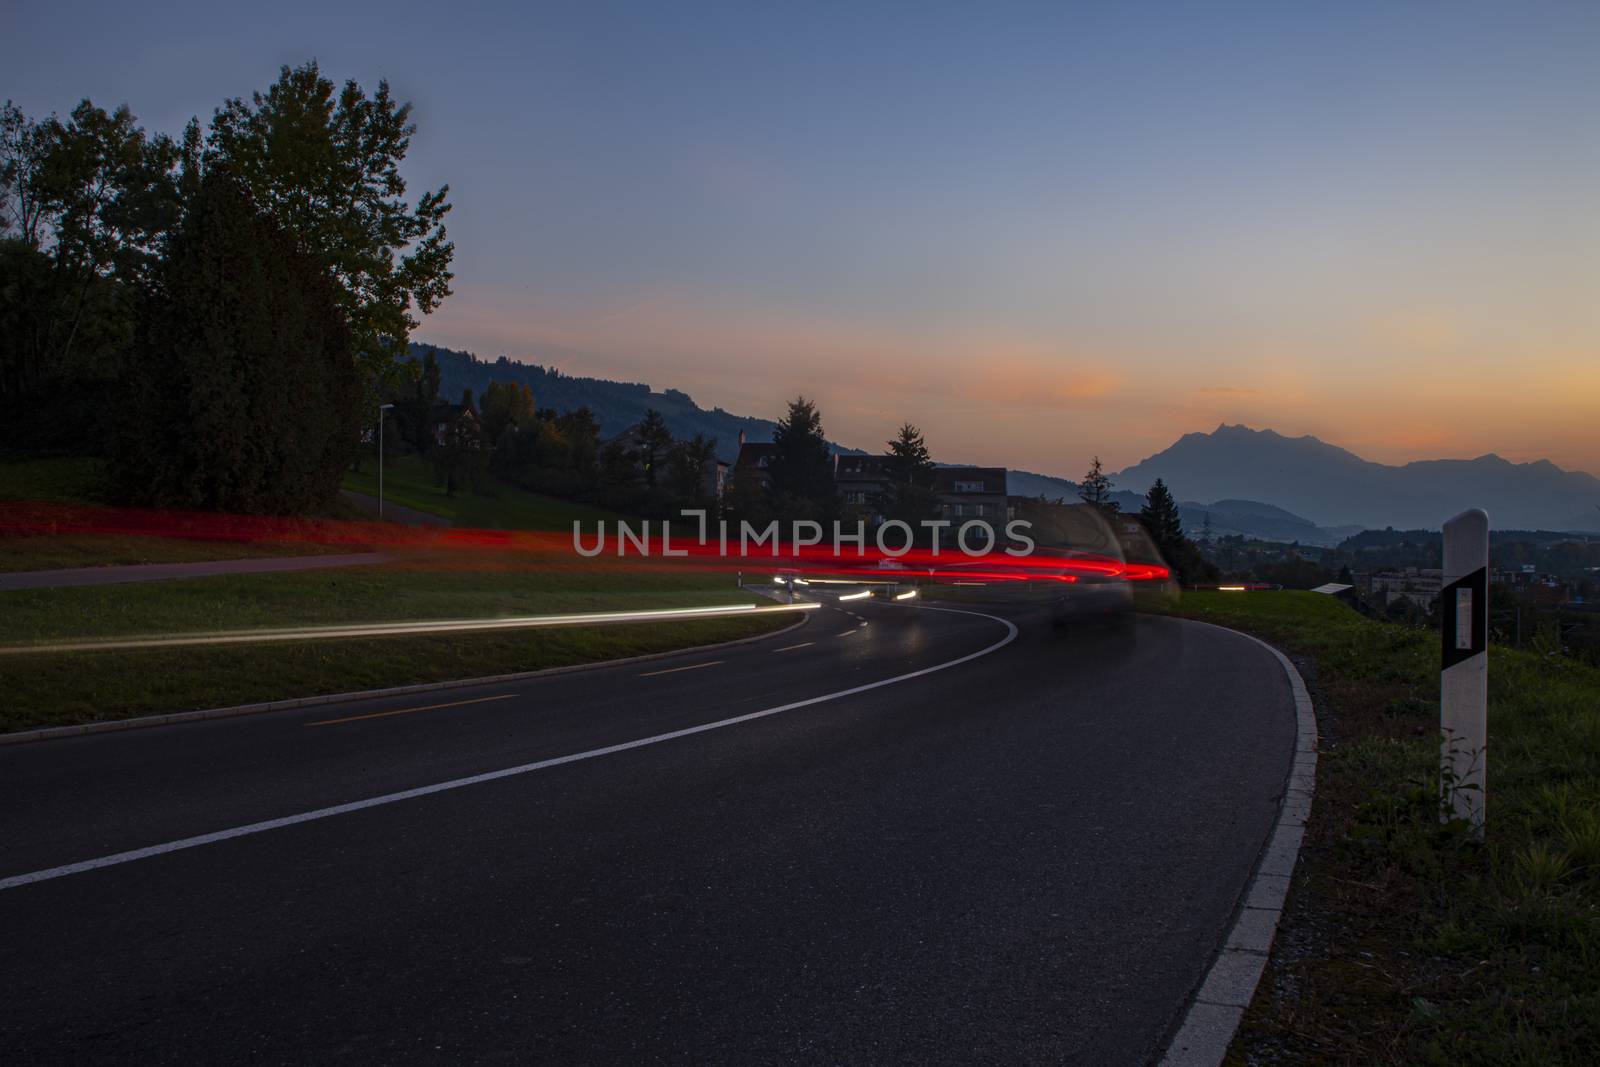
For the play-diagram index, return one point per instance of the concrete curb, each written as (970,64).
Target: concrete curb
(1219,1005)
(139,722)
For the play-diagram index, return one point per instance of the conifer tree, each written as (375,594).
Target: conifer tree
(242,386)
(1096,487)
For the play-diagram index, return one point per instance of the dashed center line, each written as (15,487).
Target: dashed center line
(848,632)
(674,670)
(408,711)
(791,648)
(215,837)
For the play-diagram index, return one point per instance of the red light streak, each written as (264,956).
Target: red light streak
(468,548)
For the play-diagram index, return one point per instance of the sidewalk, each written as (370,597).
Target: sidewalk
(160,572)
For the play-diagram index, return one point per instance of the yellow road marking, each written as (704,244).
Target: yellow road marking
(408,711)
(673,670)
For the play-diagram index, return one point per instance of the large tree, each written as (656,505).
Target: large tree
(802,468)
(85,207)
(691,462)
(1160,516)
(1096,487)
(242,386)
(326,164)
(909,470)
(653,443)
(506,405)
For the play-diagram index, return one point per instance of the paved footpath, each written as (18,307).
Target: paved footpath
(160,572)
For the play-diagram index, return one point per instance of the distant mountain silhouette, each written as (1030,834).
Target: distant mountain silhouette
(1250,518)
(1330,485)
(617,405)
(1320,493)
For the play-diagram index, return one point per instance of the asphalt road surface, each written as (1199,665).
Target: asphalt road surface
(1004,845)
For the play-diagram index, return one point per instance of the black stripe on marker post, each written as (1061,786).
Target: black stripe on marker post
(1464,618)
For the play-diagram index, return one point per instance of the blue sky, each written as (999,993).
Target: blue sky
(1039,231)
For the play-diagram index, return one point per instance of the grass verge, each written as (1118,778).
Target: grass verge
(409,480)
(78,480)
(1403,941)
(52,689)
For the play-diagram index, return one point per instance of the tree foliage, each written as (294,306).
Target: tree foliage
(653,442)
(1096,487)
(802,468)
(690,464)
(1160,515)
(85,209)
(459,458)
(326,164)
(505,405)
(242,388)
(909,472)
(1161,519)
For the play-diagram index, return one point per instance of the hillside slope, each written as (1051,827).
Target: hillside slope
(618,405)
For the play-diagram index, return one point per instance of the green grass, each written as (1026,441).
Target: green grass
(55,688)
(50,553)
(442,586)
(1411,944)
(408,480)
(52,479)
(79,480)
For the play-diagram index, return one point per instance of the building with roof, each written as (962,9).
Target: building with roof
(750,466)
(861,481)
(967,493)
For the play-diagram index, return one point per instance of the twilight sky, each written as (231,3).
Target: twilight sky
(1038,231)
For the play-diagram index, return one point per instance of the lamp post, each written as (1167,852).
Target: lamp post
(381,409)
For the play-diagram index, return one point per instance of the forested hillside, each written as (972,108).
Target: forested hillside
(617,405)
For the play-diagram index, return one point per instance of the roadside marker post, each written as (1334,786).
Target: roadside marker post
(1464,669)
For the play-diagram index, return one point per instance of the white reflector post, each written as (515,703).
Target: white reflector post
(1464,668)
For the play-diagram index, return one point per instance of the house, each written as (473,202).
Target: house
(967,493)
(750,465)
(1420,585)
(861,481)
(445,419)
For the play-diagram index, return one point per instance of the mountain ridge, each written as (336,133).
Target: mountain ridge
(1263,483)
(1331,485)
(616,405)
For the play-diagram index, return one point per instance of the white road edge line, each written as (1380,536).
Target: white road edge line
(1218,1006)
(117,858)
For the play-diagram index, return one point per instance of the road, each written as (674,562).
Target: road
(1004,845)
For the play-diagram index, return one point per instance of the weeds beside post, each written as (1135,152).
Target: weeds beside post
(1464,669)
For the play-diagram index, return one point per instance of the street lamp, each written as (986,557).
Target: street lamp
(381,409)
